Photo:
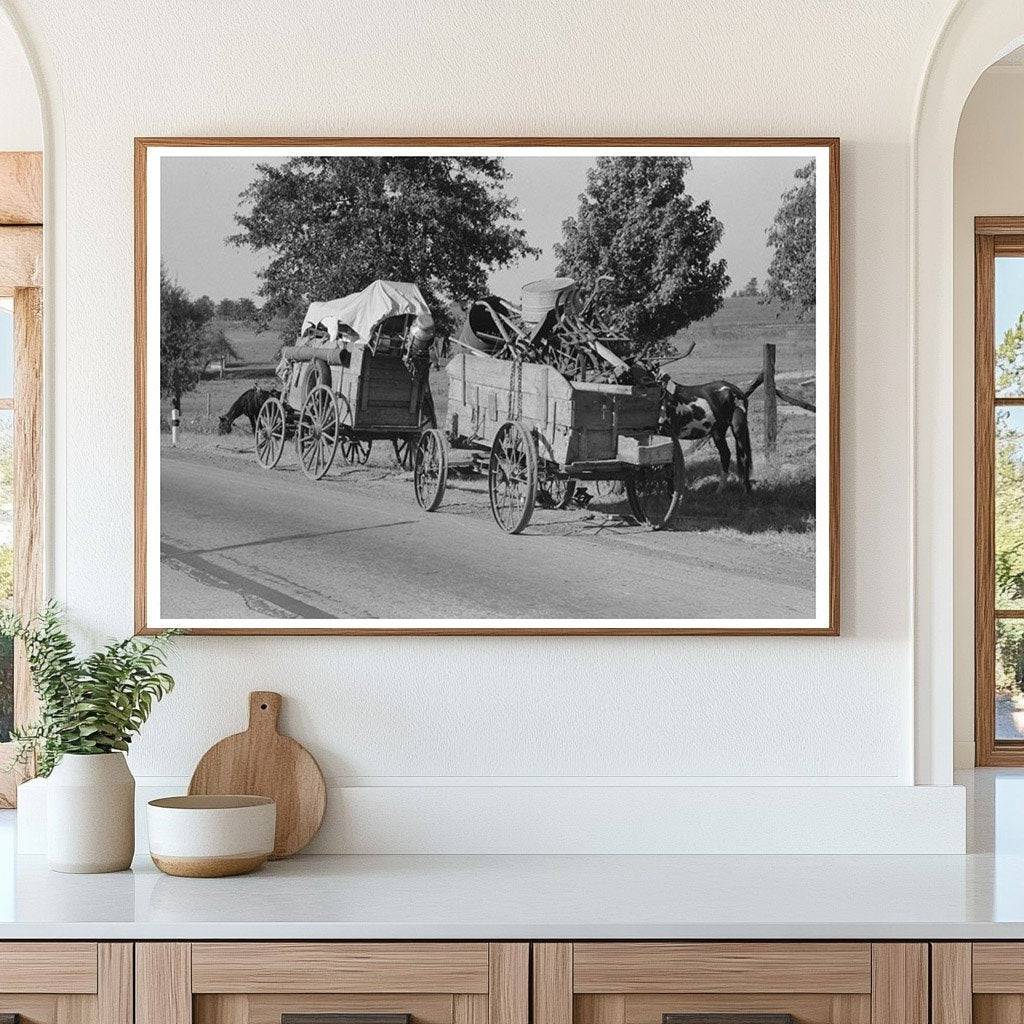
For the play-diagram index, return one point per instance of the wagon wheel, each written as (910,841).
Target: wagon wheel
(559,489)
(512,477)
(553,490)
(354,450)
(318,432)
(271,429)
(430,468)
(655,492)
(405,450)
(361,450)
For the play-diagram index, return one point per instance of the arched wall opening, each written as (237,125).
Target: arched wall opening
(976,34)
(986,183)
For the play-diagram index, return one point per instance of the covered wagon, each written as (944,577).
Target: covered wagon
(358,372)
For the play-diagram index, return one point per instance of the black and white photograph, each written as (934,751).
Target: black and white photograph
(458,386)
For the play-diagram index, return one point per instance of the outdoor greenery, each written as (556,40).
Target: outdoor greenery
(331,227)
(184,338)
(1009,506)
(189,339)
(793,269)
(242,309)
(637,223)
(90,705)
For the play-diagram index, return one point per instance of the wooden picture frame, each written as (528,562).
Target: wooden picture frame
(824,621)
(993,237)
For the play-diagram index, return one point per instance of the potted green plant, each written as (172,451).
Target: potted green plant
(89,710)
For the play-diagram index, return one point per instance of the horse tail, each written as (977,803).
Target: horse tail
(741,434)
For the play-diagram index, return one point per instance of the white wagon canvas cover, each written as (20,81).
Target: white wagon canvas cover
(356,315)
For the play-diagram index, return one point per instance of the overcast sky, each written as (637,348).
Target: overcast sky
(199,198)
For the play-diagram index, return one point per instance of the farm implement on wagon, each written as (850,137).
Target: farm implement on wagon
(357,373)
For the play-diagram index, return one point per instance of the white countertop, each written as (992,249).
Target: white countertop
(978,896)
(532,897)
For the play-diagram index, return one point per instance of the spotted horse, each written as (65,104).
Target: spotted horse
(695,411)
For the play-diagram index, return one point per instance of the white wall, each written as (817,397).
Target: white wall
(443,713)
(988,181)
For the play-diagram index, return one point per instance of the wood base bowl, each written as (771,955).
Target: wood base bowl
(211,836)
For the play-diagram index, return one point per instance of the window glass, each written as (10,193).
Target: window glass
(1009,511)
(6,567)
(1009,679)
(1009,327)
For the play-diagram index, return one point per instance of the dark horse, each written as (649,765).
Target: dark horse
(248,403)
(693,411)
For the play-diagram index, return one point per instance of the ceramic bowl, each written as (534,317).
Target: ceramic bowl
(211,836)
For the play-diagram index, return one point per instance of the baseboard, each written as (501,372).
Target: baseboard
(599,819)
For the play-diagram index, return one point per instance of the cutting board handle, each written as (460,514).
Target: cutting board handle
(264,711)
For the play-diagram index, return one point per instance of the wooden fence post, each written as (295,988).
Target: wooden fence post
(771,414)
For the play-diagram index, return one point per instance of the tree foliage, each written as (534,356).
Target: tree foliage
(1009,471)
(90,705)
(637,223)
(792,274)
(333,225)
(184,338)
(237,309)
(1009,507)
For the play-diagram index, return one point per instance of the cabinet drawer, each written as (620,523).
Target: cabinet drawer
(736,982)
(262,982)
(340,967)
(630,967)
(48,967)
(66,982)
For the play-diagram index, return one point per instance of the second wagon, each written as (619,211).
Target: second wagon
(357,373)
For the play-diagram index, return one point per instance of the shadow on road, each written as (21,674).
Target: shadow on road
(299,536)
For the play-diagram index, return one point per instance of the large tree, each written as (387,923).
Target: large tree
(1009,467)
(184,338)
(792,276)
(637,223)
(332,225)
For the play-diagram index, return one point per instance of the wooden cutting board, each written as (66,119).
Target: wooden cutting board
(262,762)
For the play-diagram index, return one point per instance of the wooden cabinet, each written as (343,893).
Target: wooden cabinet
(649,982)
(493,983)
(66,982)
(260,982)
(980,982)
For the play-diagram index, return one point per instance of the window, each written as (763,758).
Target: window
(6,510)
(21,375)
(999,490)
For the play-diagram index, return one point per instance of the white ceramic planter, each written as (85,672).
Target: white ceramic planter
(90,814)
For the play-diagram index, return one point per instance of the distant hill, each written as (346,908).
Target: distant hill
(253,348)
(730,344)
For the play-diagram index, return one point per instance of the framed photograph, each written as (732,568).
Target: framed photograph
(487,386)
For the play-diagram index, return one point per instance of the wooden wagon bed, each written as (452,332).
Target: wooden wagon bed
(586,427)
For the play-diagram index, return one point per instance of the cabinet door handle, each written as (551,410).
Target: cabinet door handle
(338,1018)
(728,1018)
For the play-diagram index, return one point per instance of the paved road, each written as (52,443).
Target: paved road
(240,542)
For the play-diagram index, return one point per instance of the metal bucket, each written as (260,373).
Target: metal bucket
(540,296)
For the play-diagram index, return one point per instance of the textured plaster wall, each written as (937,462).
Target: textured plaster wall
(729,711)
